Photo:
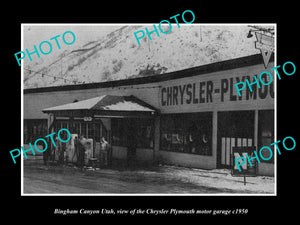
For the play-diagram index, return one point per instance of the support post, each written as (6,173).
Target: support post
(51,121)
(256,133)
(214,136)
(156,140)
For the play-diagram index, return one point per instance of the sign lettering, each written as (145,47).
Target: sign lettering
(213,92)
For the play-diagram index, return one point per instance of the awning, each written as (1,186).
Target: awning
(105,106)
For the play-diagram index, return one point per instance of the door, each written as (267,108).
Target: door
(227,143)
(235,129)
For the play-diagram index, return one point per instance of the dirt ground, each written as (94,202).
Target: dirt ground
(119,179)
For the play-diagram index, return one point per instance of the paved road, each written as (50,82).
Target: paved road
(41,179)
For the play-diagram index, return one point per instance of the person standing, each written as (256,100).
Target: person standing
(63,154)
(81,152)
(61,150)
(104,151)
(75,149)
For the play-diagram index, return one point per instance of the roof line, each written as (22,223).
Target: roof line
(199,70)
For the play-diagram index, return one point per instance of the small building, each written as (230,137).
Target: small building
(191,117)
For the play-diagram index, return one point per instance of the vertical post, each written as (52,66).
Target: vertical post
(51,120)
(71,124)
(256,128)
(214,136)
(101,127)
(94,136)
(106,124)
(111,149)
(87,130)
(256,133)
(156,139)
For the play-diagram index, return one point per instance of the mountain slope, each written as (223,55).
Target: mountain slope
(118,55)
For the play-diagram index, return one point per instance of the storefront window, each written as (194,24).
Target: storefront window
(65,125)
(34,129)
(91,128)
(87,129)
(188,133)
(76,128)
(143,129)
(57,126)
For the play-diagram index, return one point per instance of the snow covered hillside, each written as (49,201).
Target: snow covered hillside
(118,55)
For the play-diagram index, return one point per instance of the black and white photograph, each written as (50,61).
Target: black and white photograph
(158,114)
(140,113)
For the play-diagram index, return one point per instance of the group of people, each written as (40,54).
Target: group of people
(79,152)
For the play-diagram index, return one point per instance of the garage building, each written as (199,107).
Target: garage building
(191,117)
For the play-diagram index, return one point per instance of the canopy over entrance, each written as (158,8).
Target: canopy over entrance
(105,106)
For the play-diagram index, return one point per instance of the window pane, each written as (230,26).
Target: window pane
(143,128)
(189,133)
(91,128)
(166,141)
(77,128)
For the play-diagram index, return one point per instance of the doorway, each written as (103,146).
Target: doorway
(235,129)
